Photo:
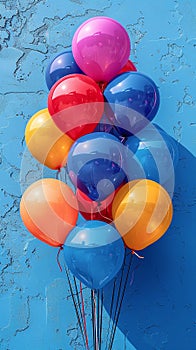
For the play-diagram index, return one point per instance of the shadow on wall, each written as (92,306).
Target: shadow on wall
(159,309)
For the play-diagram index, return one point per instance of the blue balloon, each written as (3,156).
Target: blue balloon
(134,100)
(107,127)
(155,158)
(94,253)
(60,66)
(104,125)
(94,164)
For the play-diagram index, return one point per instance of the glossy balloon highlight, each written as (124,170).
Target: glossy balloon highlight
(92,210)
(94,253)
(142,212)
(94,165)
(49,210)
(63,64)
(134,100)
(76,105)
(101,48)
(155,155)
(46,142)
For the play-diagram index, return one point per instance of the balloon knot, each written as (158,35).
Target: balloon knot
(138,256)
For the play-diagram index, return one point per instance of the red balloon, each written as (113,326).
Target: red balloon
(92,210)
(129,67)
(76,105)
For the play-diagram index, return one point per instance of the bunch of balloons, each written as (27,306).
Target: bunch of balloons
(98,124)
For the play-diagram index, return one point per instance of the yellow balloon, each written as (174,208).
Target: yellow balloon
(142,212)
(46,142)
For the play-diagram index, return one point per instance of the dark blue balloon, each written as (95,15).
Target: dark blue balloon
(94,164)
(134,100)
(104,125)
(156,155)
(60,66)
(94,253)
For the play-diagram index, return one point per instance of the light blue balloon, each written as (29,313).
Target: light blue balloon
(155,158)
(94,253)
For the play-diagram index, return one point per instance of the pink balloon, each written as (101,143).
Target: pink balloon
(101,48)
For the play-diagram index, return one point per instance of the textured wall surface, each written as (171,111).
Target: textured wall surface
(159,312)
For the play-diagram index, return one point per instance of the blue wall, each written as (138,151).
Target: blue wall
(35,308)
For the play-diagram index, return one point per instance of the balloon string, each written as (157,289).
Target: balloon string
(133,274)
(58,256)
(98,314)
(103,216)
(93,320)
(119,306)
(101,319)
(84,317)
(78,299)
(117,302)
(81,312)
(138,256)
(111,312)
(75,304)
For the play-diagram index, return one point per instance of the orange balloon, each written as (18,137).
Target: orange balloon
(46,142)
(142,212)
(49,210)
